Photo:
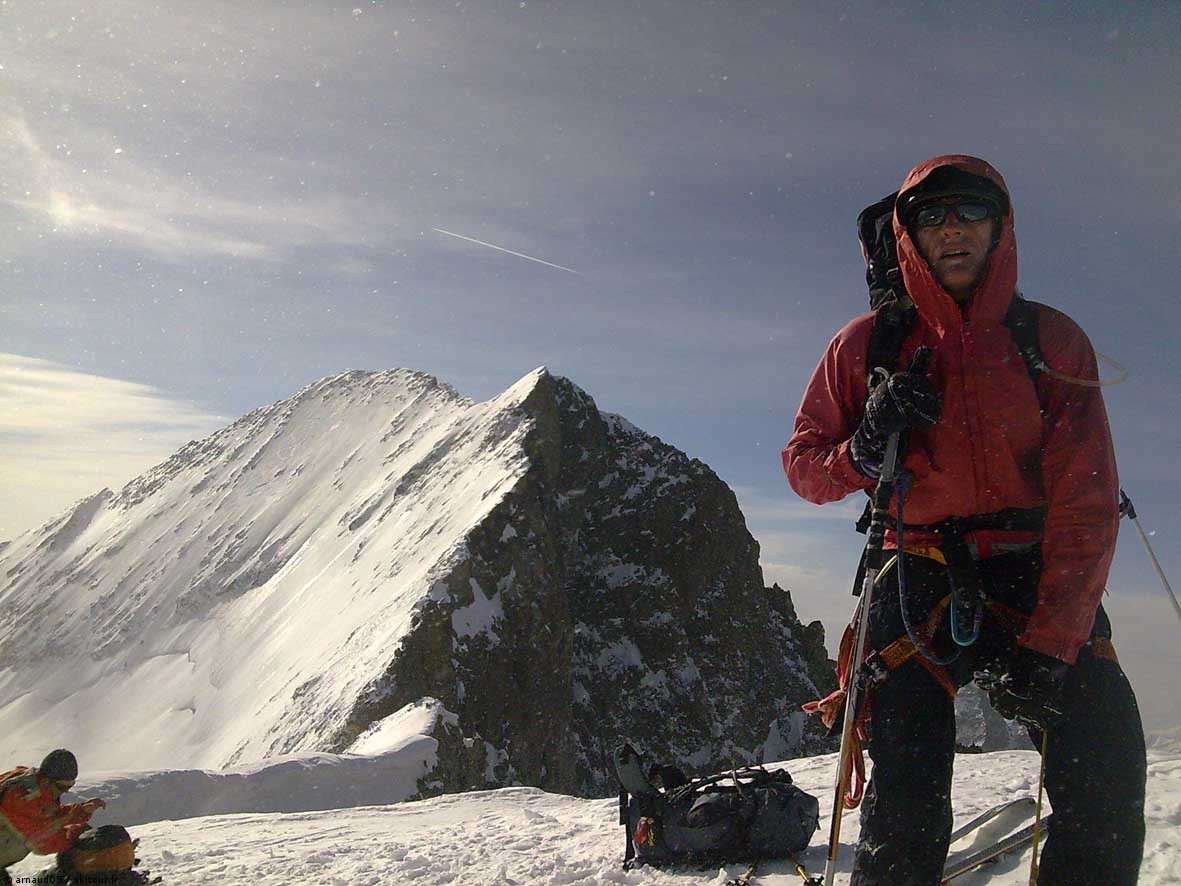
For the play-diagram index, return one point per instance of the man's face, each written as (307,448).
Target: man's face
(956,250)
(57,788)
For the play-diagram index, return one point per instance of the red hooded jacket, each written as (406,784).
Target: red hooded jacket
(991,448)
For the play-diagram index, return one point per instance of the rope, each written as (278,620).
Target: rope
(1119,379)
(927,653)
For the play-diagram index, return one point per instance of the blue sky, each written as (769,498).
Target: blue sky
(207,205)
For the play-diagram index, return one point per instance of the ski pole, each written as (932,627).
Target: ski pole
(1127,508)
(1037,821)
(873,564)
(873,557)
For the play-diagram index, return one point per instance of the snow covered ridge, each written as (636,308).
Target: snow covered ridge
(384,766)
(295,583)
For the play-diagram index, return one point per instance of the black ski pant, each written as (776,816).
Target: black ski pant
(1095,760)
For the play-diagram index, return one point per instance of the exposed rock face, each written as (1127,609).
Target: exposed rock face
(557,579)
(980,729)
(629,604)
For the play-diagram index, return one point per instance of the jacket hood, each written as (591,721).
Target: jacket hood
(990,301)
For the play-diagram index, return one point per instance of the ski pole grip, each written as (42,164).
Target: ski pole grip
(921,361)
(1126,508)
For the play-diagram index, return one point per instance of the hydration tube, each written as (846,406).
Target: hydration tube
(1119,379)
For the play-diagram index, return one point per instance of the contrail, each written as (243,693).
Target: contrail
(509,251)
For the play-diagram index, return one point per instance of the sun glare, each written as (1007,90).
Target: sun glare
(62,209)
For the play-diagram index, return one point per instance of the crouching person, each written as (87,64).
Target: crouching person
(32,815)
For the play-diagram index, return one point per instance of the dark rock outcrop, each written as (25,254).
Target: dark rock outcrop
(615,593)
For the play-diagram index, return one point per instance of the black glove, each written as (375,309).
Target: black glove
(904,400)
(1032,689)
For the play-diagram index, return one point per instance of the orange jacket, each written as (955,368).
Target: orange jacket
(46,825)
(991,448)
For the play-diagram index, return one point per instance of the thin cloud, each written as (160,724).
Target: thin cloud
(789,511)
(65,434)
(112,195)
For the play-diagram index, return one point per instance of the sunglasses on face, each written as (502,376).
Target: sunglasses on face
(967,211)
(63,786)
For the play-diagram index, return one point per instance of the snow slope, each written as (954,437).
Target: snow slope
(527,837)
(233,603)
(383,766)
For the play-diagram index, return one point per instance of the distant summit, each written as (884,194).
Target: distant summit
(550,576)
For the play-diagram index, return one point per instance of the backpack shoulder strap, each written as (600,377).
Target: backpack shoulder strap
(891,323)
(20,777)
(1021,320)
(15,772)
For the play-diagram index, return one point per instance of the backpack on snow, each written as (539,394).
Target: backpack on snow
(747,814)
(105,854)
(103,850)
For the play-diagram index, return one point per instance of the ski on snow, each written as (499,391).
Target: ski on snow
(994,851)
(988,815)
(955,869)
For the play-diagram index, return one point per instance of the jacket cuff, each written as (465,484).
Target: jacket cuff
(841,471)
(1055,644)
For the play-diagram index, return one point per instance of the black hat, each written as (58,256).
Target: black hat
(59,765)
(951,181)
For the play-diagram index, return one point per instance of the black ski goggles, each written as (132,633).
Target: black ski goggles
(934,214)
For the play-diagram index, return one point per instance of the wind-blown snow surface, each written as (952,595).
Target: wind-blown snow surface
(527,837)
(384,766)
(144,629)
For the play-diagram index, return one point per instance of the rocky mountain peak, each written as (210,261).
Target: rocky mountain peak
(556,578)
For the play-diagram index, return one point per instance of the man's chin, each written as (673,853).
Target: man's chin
(958,286)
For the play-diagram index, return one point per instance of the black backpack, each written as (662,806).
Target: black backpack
(748,814)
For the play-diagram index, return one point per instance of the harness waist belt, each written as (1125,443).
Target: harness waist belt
(1006,520)
(934,552)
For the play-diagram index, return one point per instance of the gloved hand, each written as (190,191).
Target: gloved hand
(904,400)
(1032,689)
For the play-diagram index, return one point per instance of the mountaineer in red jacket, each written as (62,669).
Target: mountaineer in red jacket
(32,816)
(1013,503)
